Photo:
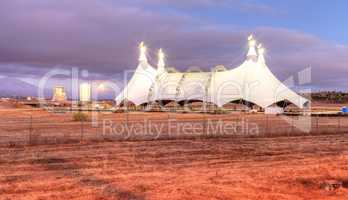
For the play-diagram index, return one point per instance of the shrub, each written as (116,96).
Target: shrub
(79,116)
(220,111)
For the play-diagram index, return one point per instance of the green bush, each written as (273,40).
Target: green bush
(220,111)
(80,116)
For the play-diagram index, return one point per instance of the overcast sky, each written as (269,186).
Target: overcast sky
(101,36)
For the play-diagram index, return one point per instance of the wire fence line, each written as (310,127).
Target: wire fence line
(138,126)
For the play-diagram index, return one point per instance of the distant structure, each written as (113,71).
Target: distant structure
(85,92)
(251,83)
(59,94)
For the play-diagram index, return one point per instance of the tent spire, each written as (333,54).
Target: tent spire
(161,64)
(261,51)
(142,49)
(252,55)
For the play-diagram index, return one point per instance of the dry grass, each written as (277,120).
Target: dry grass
(301,167)
(230,168)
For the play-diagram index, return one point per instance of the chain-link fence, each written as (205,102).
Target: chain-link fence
(41,127)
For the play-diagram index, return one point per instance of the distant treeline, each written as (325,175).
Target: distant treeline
(330,96)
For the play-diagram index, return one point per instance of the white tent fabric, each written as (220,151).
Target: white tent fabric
(252,81)
(167,86)
(227,86)
(138,88)
(193,86)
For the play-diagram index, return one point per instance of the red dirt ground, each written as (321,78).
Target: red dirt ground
(299,167)
(229,168)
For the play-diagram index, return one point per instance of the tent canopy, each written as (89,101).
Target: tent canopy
(252,81)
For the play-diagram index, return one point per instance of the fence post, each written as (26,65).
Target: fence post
(81,128)
(292,126)
(207,126)
(241,119)
(203,120)
(168,126)
(339,124)
(317,124)
(267,126)
(328,124)
(30,129)
(127,128)
(146,126)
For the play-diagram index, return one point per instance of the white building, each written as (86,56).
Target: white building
(59,93)
(251,82)
(85,92)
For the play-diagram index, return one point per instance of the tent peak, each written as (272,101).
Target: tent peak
(261,51)
(142,50)
(252,54)
(161,61)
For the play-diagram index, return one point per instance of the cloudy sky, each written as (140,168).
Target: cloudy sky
(101,36)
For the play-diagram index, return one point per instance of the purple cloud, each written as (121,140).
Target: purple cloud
(102,37)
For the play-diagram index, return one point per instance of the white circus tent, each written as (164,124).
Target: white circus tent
(252,81)
(138,87)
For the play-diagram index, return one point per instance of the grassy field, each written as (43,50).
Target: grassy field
(229,168)
(281,163)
